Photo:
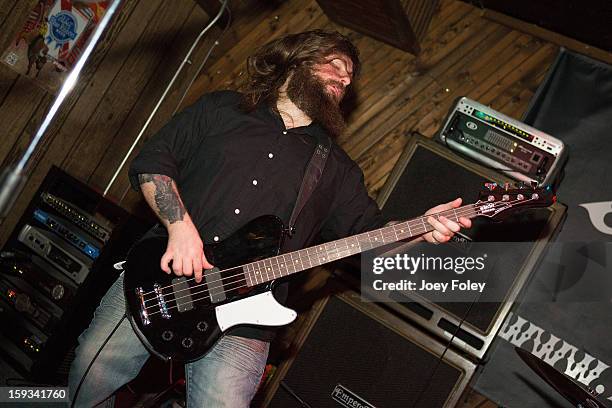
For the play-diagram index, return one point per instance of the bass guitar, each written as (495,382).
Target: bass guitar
(178,318)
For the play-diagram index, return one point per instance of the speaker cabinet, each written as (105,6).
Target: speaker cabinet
(359,354)
(427,174)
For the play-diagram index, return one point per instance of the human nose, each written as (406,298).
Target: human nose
(345,79)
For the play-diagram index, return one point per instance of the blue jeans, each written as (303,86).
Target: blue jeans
(226,377)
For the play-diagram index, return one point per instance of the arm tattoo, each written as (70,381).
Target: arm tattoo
(167,199)
(143,178)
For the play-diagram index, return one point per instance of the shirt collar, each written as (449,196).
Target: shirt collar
(270,115)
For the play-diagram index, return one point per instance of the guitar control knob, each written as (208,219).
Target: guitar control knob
(202,326)
(167,335)
(187,342)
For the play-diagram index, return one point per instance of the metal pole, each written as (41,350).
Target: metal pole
(12,180)
(161,99)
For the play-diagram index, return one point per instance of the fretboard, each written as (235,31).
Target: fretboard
(286,264)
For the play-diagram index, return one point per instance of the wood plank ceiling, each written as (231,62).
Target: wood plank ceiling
(397,93)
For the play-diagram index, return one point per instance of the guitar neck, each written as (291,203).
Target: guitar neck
(286,264)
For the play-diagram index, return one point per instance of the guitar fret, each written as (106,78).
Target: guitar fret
(258,276)
(306,258)
(248,274)
(271,268)
(294,262)
(266,262)
(279,264)
(284,266)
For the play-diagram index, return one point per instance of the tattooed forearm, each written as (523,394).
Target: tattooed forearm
(143,178)
(166,197)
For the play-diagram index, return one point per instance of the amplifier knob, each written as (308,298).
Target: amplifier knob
(23,304)
(202,326)
(167,335)
(187,342)
(57,292)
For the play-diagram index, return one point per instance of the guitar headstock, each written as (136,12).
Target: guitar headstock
(499,201)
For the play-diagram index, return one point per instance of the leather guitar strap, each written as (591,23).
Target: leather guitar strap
(311,178)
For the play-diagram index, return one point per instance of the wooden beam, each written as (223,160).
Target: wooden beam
(536,31)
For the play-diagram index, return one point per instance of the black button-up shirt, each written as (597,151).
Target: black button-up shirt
(231,167)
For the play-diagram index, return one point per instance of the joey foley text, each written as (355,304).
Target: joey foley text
(435,273)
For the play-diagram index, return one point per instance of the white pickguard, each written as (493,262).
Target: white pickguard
(261,309)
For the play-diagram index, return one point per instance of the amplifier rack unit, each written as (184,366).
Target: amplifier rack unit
(502,143)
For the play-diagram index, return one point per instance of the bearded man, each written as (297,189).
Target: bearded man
(220,163)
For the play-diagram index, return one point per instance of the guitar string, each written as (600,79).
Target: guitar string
(331,252)
(225,286)
(217,287)
(461,211)
(205,291)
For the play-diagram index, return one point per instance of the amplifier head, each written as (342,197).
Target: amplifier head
(503,143)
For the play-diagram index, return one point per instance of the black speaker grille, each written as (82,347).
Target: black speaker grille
(348,348)
(430,179)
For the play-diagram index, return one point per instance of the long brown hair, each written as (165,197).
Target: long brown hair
(269,67)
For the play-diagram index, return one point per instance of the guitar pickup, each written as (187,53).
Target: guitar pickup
(214,283)
(182,294)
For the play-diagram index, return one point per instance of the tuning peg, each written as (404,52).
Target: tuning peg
(490,186)
(520,197)
(506,186)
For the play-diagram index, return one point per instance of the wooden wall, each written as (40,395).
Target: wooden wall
(114,96)
(463,54)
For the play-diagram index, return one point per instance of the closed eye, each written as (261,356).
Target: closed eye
(340,65)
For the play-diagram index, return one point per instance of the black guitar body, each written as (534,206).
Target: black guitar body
(175,316)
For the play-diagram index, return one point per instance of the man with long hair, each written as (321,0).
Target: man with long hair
(223,161)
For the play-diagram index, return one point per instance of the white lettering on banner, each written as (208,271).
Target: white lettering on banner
(552,350)
(597,215)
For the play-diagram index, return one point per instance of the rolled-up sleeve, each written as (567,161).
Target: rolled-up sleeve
(171,147)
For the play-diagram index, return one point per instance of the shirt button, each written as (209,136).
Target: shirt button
(237,211)
(270,155)
(215,238)
(254,182)
(284,132)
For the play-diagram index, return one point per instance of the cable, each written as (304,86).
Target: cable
(76,393)
(205,60)
(208,53)
(163,97)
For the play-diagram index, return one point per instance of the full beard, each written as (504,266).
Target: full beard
(310,95)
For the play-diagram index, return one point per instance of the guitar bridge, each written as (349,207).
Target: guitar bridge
(144,315)
(161,301)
